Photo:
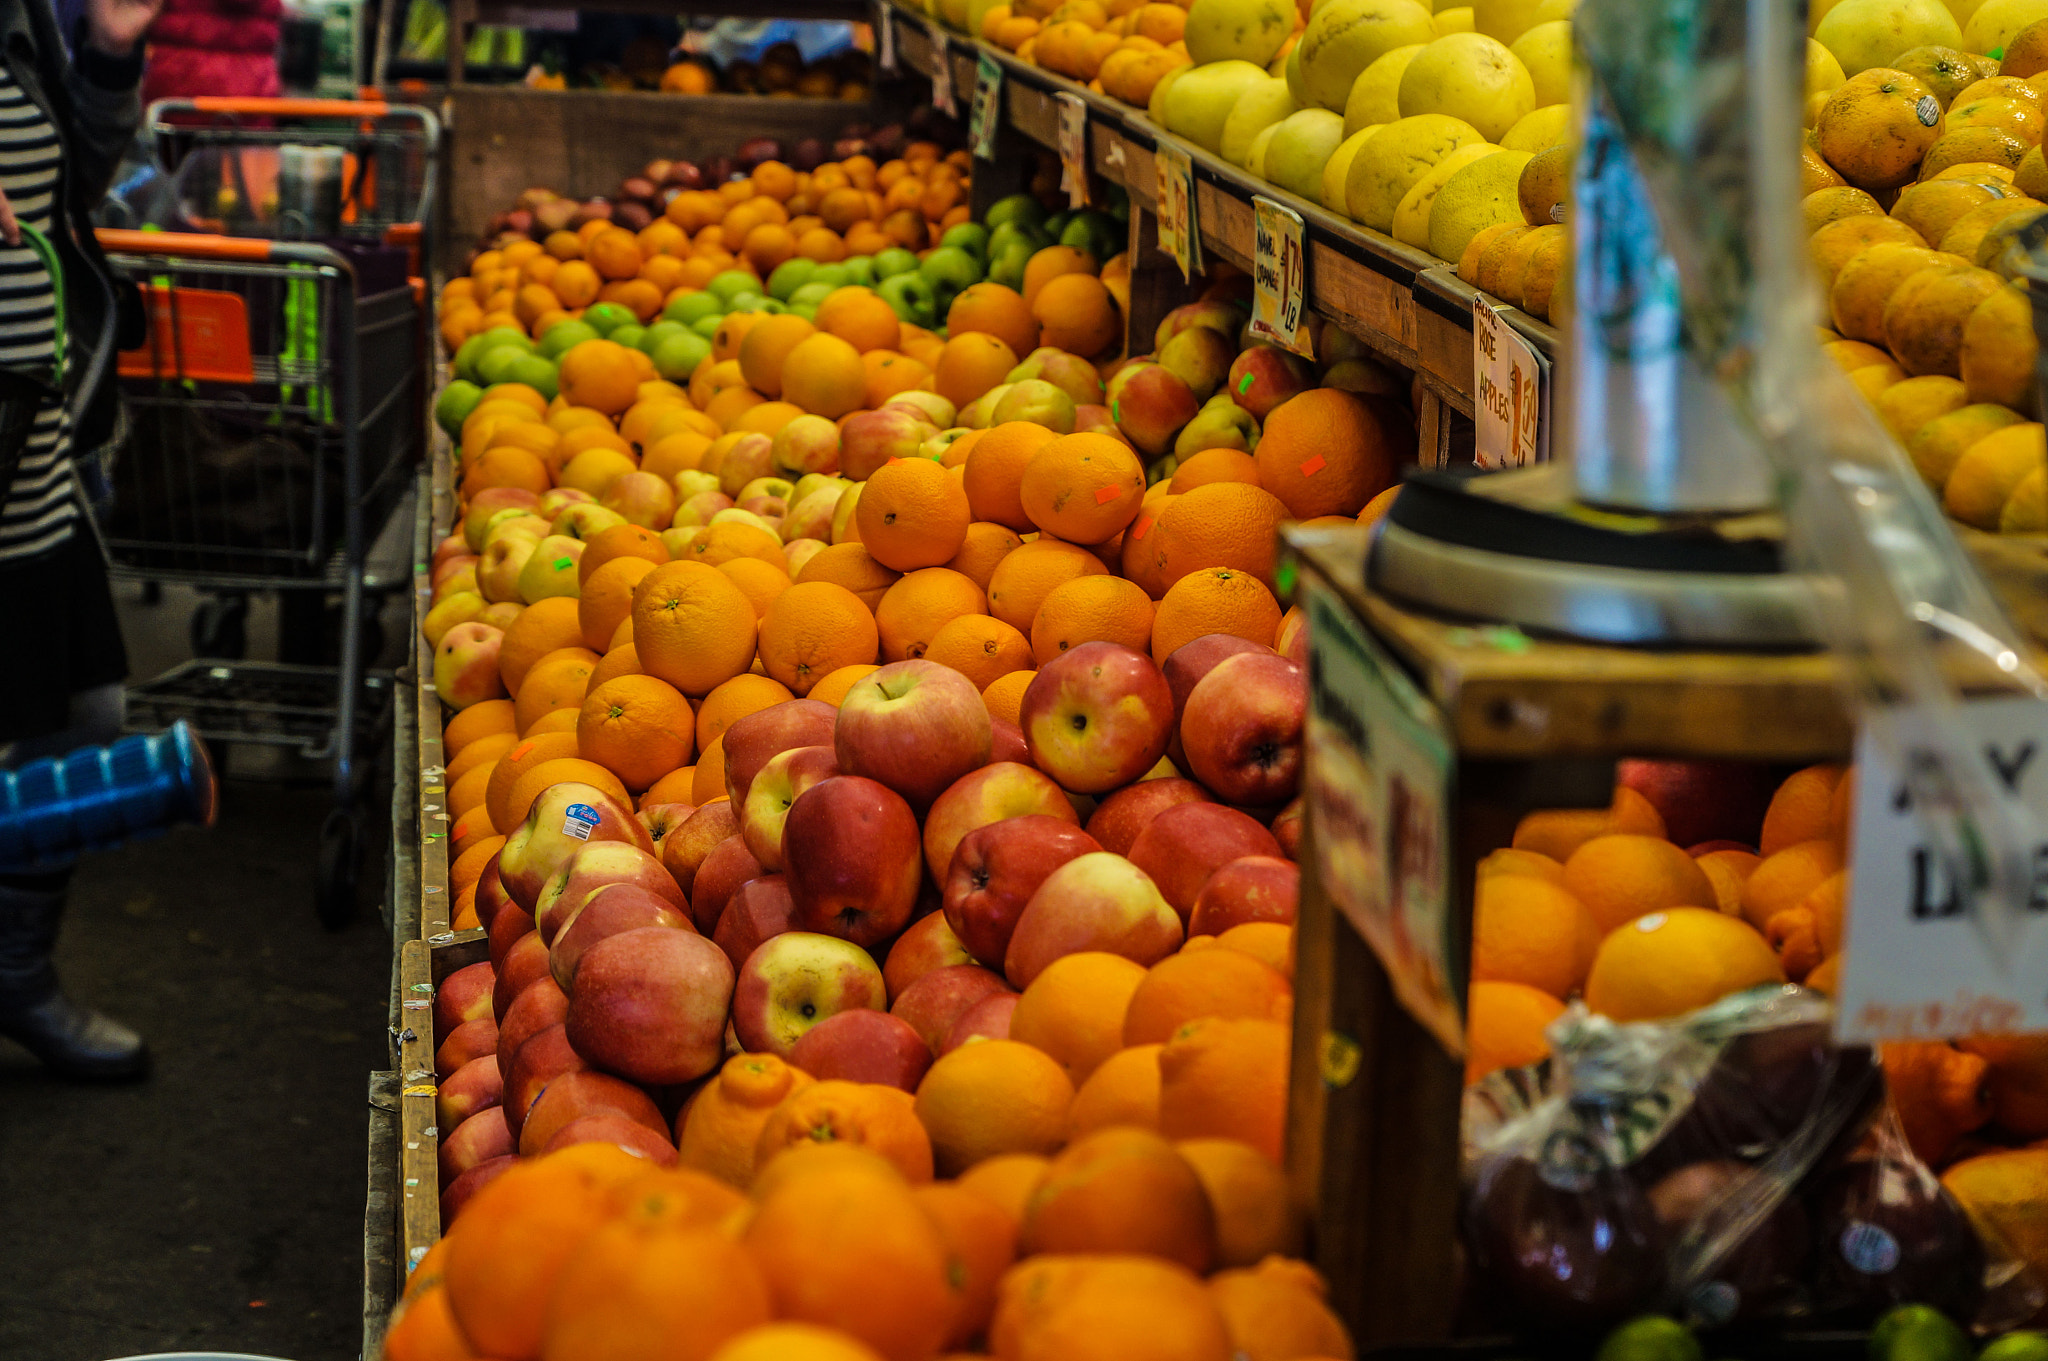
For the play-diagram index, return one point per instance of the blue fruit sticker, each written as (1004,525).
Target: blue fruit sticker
(580,820)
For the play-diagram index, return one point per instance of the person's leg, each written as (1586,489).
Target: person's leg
(34,1011)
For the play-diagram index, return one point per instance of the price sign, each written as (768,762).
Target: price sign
(1914,966)
(1511,386)
(942,72)
(987,113)
(1074,149)
(1279,277)
(1378,787)
(1179,233)
(885,40)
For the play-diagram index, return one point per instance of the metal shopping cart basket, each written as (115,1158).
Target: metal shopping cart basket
(274,413)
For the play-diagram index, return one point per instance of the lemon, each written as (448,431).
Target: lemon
(1199,103)
(1237,30)
(1338,169)
(1990,470)
(1387,166)
(1546,50)
(1505,20)
(1301,145)
(1457,20)
(1470,77)
(1867,33)
(1997,22)
(1411,216)
(1376,95)
(1541,129)
(1344,37)
(1261,106)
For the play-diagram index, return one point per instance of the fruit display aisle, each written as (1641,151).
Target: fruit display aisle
(878,894)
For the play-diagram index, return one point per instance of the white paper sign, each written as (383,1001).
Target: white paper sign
(1914,966)
(1279,277)
(1511,386)
(885,41)
(1074,148)
(1179,234)
(942,72)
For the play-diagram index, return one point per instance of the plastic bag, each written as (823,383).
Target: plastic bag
(1727,1167)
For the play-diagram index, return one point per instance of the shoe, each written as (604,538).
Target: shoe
(69,1039)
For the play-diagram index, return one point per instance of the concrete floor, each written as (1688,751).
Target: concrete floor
(217,1206)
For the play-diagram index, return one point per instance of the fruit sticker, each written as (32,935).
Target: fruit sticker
(580,820)
(1279,277)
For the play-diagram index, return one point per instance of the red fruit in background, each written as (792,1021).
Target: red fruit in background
(755,740)
(1187,843)
(592,868)
(475,1086)
(607,912)
(507,927)
(543,1004)
(651,1005)
(980,798)
(1287,828)
(1118,819)
(928,944)
(526,961)
(988,1019)
(539,1061)
(1006,742)
(689,844)
(995,871)
(758,910)
(463,1189)
(467,1042)
(572,1096)
(1193,660)
(864,1046)
(1097,717)
(1254,888)
(479,1139)
(1242,729)
(464,995)
(1703,800)
(729,865)
(933,1004)
(608,1128)
(854,859)
(914,726)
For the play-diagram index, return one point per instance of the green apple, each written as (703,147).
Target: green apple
(607,317)
(949,270)
(860,269)
(629,334)
(562,338)
(693,307)
(971,237)
(1007,267)
(708,326)
(477,346)
(455,403)
(534,371)
(1020,208)
(835,275)
(496,364)
(658,332)
(811,294)
(678,355)
(911,296)
(1097,233)
(789,276)
(893,261)
(729,284)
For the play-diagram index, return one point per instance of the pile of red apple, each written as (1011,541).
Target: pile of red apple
(882,882)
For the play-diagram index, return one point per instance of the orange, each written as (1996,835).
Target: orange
(641,1289)
(733,701)
(1556,832)
(826,377)
(1510,861)
(643,299)
(562,719)
(730,405)
(637,727)
(1099,1308)
(676,452)
(607,598)
(674,787)
(996,310)
(1076,313)
(913,611)
(480,752)
(614,253)
(1005,695)
(424,1328)
(1671,962)
(1532,931)
(600,375)
(767,246)
(692,627)
(1504,1025)
(1620,877)
(986,545)
(709,782)
(720,1126)
(1187,987)
(1328,452)
(1023,580)
(576,439)
(768,418)
(820,243)
(1799,809)
(1728,871)
(970,365)
(721,543)
(836,685)
(1083,488)
(995,472)
(882,1119)
(1091,609)
(858,1253)
(575,284)
(518,1236)
(1278,1308)
(595,469)
(1225,1077)
(479,720)
(1123,1090)
(886,373)
(1782,880)
(912,513)
(732,333)
(990,1098)
(1221,524)
(1048,264)
(506,467)
(1007,1180)
(762,581)
(468,867)
(620,541)
(541,628)
(1117,1191)
(979,647)
(795,1341)
(557,681)
(619,661)
(981,1243)
(852,566)
(1268,942)
(565,770)
(1215,465)
(1074,1011)
(860,317)
(1213,600)
(466,795)
(815,629)
(1248,1193)
(662,413)
(765,350)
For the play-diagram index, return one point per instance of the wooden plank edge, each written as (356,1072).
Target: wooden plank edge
(428,771)
(419,1185)
(383,1270)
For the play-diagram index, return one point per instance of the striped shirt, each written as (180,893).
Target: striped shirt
(39,512)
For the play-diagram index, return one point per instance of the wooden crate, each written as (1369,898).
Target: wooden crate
(423,964)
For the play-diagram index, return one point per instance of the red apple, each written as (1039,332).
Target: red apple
(508,928)
(1187,665)
(1097,717)
(563,820)
(1703,800)
(464,995)
(1187,843)
(929,944)
(932,1004)
(1006,742)
(463,1189)
(729,865)
(1008,789)
(988,1019)
(1286,829)
(995,872)
(543,1004)
(687,845)
(1241,728)
(466,1043)
(793,981)
(523,963)
(650,1005)
(1263,376)
(662,818)
(592,868)
(606,912)
(475,1086)
(490,894)
(758,910)
(853,860)
(1093,902)
(1120,817)
(476,1140)
(870,439)
(863,1046)
(1150,404)
(1253,888)
(539,1061)
(606,1127)
(1701,848)
(584,1092)
(775,788)
(915,726)
(755,740)
(489,502)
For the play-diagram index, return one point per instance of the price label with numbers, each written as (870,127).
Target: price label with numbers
(987,113)
(1914,964)
(1279,277)
(942,72)
(1511,389)
(1179,233)
(885,41)
(1074,149)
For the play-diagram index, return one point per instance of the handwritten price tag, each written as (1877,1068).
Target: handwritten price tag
(1179,233)
(942,72)
(988,107)
(1279,277)
(1074,149)
(885,41)
(1511,384)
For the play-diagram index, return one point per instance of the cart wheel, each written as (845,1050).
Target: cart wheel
(219,627)
(341,863)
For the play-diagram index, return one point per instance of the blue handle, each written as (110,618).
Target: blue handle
(99,797)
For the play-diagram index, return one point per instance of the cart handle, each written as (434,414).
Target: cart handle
(285,108)
(201,246)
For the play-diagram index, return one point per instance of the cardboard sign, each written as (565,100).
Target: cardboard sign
(987,114)
(1914,964)
(942,72)
(885,41)
(1179,233)
(1511,387)
(1378,785)
(1073,149)
(1279,277)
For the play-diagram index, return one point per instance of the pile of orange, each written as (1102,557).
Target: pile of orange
(1122,48)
